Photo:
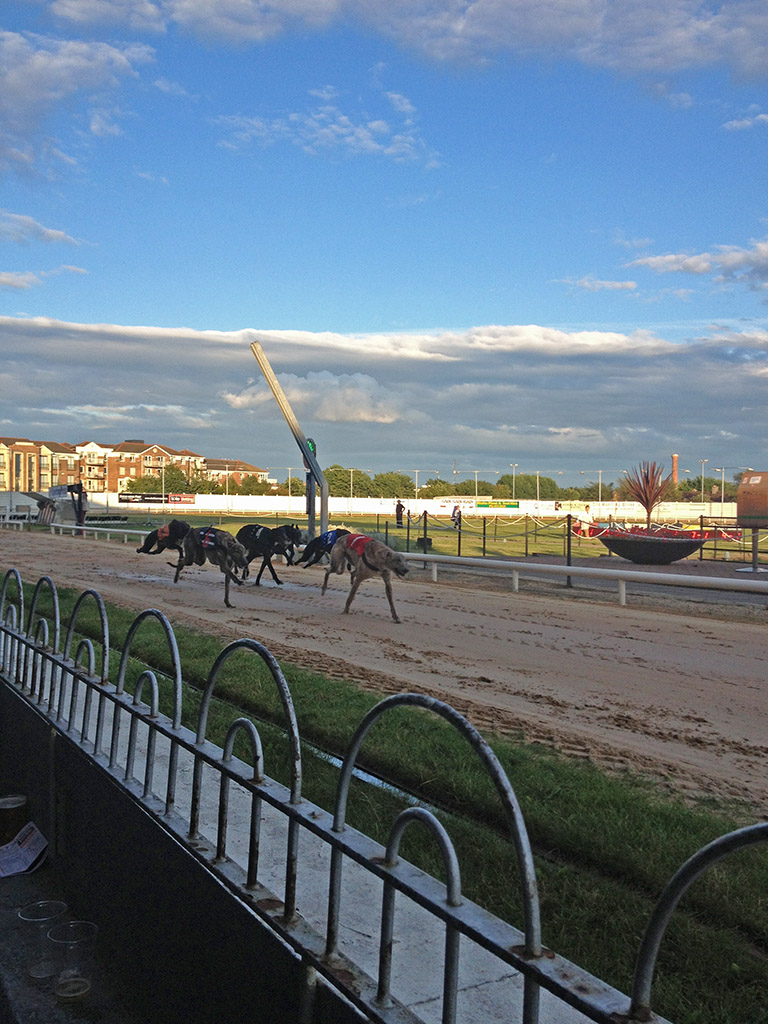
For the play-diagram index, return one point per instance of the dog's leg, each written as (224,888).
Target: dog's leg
(328,571)
(386,575)
(267,564)
(357,579)
(311,555)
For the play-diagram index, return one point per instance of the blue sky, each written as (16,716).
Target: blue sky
(467,234)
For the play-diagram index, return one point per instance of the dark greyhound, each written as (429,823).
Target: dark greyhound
(217,546)
(320,546)
(263,542)
(169,536)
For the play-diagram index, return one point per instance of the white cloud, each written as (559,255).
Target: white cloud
(329,129)
(22,280)
(657,36)
(139,15)
(172,88)
(493,392)
(18,227)
(249,21)
(39,74)
(726,263)
(747,122)
(103,122)
(594,284)
(19,281)
(332,398)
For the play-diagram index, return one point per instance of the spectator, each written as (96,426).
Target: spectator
(399,509)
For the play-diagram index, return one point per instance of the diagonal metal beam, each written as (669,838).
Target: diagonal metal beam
(290,418)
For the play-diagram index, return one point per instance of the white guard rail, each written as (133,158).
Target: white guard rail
(619,576)
(516,569)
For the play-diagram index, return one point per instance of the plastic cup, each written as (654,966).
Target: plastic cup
(72,944)
(38,919)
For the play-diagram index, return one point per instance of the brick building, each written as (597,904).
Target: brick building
(27,465)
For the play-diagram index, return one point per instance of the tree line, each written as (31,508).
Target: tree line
(344,482)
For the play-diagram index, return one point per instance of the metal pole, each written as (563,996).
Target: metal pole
(293,423)
(568,525)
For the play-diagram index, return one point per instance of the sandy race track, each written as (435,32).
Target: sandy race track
(678,696)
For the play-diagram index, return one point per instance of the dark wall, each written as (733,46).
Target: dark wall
(177,939)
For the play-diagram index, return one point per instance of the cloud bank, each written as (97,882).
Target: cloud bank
(547,399)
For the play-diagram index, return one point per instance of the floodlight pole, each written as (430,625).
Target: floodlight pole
(309,458)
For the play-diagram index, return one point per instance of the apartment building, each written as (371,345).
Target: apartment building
(27,465)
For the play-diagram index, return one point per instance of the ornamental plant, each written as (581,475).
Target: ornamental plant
(647,485)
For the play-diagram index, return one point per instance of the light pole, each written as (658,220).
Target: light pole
(476,472)
(416,478)
(513,467)
(599,481)
(558,472)
(289,468)
(702,461)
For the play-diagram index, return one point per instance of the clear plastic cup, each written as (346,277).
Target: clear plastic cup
(72,944)
(38,918)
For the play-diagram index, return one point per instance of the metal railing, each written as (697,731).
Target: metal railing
(516,570)
(620,576)
(67,679)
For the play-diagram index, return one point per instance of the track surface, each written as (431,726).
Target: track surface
(670,692)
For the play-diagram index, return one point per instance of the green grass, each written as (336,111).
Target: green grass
(605,844)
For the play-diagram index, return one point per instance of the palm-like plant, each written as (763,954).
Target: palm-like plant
(647,485)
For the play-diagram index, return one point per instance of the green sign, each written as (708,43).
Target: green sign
(498,504)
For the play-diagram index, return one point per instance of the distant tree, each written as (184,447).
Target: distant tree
(434,488)
(198,484)
(173,480)
(647,485)
(339,479)
(393,485)
(297,486)
(252,485)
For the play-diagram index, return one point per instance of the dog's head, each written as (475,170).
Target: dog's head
(397,563)
(238,556)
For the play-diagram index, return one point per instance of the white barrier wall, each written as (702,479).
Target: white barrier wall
(263,505)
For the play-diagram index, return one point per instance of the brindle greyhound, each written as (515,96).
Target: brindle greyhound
(217,546)
(366,557)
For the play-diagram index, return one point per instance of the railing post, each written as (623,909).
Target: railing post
(701,528)
(568,581)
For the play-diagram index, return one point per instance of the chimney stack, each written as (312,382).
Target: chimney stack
(674,469)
